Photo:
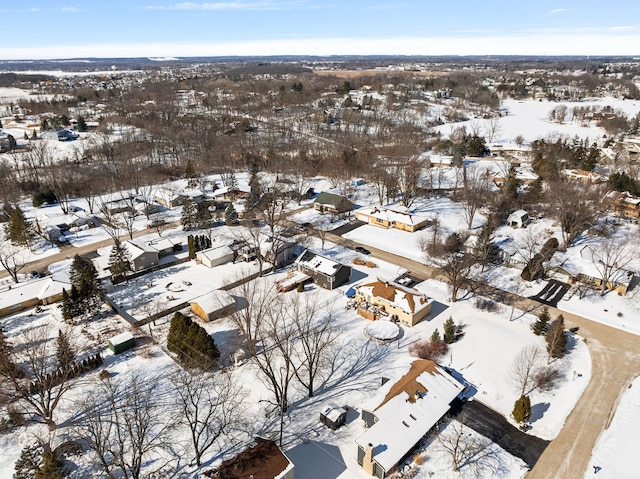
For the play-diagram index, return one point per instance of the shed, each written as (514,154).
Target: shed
(122,342)
(518,219)
(333,416)
(213,305)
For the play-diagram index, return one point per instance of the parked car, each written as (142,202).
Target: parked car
(361,250)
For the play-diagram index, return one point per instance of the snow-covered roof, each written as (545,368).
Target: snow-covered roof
(40,288)
(584,263)
(397,215)
(216,252)
(332,411)
(407,409)
(121,338)
(517,215)
(407,299)
(319,263)
(214,301)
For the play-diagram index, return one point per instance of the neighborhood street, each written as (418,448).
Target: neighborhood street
(615,358)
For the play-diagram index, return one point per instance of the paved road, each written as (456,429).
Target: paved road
(615,356)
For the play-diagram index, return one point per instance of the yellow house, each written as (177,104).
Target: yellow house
(392,218)
(386,298)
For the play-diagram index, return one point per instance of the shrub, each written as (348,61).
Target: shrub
(428,349)
(522,409)
(548,378)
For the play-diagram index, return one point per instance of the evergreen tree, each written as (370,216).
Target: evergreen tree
(82,124)
(51,467)
(540,325)
(556,338)
(189,217)
(34,135)
(254,185)
(435,336)
(522,410)
(119,260)
(18,229)
(65,352)
(449,331)
(28,463)
(191,342)
(67,306)
(191,247)
(230,215)
(6,364)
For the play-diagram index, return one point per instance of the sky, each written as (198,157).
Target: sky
(42,29)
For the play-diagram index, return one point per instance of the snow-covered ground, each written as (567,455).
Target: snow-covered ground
(615,452)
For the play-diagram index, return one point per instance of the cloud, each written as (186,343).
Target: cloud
(69,9)
(232,5)
(622,28)
(556,11)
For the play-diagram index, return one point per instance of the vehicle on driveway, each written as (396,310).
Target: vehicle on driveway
(361,250)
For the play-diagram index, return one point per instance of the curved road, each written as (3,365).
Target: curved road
(615,356)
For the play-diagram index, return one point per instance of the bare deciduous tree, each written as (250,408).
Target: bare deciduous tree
(455,267)
(526,366)
(211,407)
(124,422)
(474,192)
(471,451)
(37,382)
(12,258)
(610,257)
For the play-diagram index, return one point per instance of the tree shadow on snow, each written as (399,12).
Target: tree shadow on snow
(538,410)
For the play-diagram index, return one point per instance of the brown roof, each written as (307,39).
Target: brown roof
(388,291)
(265,460)
(409,383)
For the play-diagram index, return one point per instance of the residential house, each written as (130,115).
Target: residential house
(587,269)
(213,305)
(142,254)
(518,219)
(265,460)
(624,203)
(582,176)
(216,255)
(393,300)
(392,218)
(402,413)
(331,203)
(169,198)
(21,296)
(284,249)
(325,272)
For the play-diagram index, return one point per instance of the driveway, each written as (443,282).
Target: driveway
(495,427)
(552,293)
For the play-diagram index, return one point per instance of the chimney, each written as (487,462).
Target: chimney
(367,461)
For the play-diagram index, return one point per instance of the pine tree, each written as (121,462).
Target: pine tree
(191,247)
(51,467)
(5,352)
(540,325)
(65,352)
(82,124)
(18,229)
(254,186)
(230,215)
(556,338)
(449,331)
(119,260)
(522,410)
(435,336)
(28,463)
(189,217)
(67,306)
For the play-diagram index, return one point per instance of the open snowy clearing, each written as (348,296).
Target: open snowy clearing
(615,452)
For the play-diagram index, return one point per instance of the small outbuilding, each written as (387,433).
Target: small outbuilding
(333,416)
(122,342)
(213,305)
(518,219)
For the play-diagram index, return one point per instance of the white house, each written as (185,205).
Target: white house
(401,414)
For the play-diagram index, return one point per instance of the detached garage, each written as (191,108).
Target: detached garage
(213,305)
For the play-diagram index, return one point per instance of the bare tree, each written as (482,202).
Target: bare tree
(575,208)
(322,232)
(37,382)
(408,176)
(610,257)
(474,191)
(525,368)
(492,128)
(315,333)
(12,258)
(455,267)
(211,407)
(471,451)
(124,422)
